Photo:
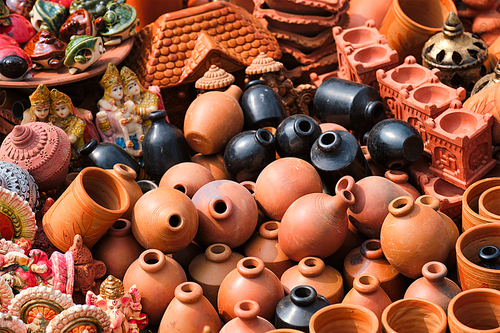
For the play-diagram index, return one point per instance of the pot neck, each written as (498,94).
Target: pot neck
(311,266)
(152,260)
(250,267)
(269,230)
(218,253)
(372,249)
(121,228)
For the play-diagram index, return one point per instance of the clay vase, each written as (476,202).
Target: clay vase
(344,318)
(488,203)
(315,225)
(189,311)
(369,259)
(214,163)
(247,319)
(18,180)
(250,186)
(434,286)
(163,146)
(127,176)
(470,203)
(415,316)
(164,219)
(203,128)
(367,292)
(186,177)
(373,195)
(156,277)
(227,213)
(475,310)
(310,271)
(295,136)
(264,245)
(118,248)
(261,105)
(41,149)
(250,281)
(210,268)
(413,226)
(89,206)
(401,178)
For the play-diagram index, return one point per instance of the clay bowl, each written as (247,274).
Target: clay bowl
(431,94)
(470,203)
(489,203)
(371,54)
(360,36)
(344,318)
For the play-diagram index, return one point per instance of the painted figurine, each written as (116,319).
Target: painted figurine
(40,106)
(82,52)
(48,15)
(118,24)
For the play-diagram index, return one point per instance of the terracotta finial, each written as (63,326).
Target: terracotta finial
(214,78)
(112,288)
(263,64)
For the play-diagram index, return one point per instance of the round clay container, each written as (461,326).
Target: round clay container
(414,316)
(344,318)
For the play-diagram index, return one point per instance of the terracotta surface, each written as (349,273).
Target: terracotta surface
(470,199)
(360,12)
(247,319)
(146,15)
(401,178)
(488,203)
(214,163)
(345,318)
(127,176)
(186,177)
(366,292)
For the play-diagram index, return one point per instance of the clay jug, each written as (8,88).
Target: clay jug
(369,259)
(373,195)
(295,136)
(227,213)
(300,178)
(315,225)
(214,163)
(40,148)
(156,276)
(118,248)
(343,318)
(250,281)
(89,206)
(367,292)
(189,311)
(247,319)
(310,271)
(204,131)
(18,180)
(434,286)
(250,186)
(401,178)
(264,245)
(210,268)
(127,176)
(261,105)
(186,177)
(164,219)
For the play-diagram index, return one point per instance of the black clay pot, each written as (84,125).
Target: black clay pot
(490,257)
(261,106)
(295,136)
(336,154)
(394,144)
(353,105)
(106,154)
(163,146)
(247,153)
(295,310)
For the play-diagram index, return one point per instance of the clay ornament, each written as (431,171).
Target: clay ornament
(46,50)
(20,29)
(96,8)
(118,23)
(79,23)
(48,15)
(82,52)
(40,106)
(14,64)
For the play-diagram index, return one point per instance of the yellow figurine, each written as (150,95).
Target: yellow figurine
(40,106)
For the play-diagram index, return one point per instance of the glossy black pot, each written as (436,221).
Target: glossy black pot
(489,256)
(261,106)
(295,136)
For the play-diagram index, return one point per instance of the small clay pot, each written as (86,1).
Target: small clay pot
(344,318)
(295,136)
(401,178)
(415,316)
(367,292)
(186,177)
(247,319)
(470,203)
(127,176)
(214,163)
(261,106)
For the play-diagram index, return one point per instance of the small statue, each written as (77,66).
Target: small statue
(40,106)
(118,23)
(48,15)
(82,52)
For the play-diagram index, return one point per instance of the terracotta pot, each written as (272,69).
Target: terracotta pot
(127,176)
(156,277)
(434,286)
(165,219)
(214,163)
(300,178)
(377,170)
(89,206)
(186,177)
(475,310)
(118,248)
(415,316)
(146,185)
(488,203)
(210,268)
(470,203)
(202,128)
(250,186)
(250,281)
(367,292)
(189,311)
(284,330)
(247,319)
(264,245)
(344,318)
(187,254)
(315,225)
(401,178)
(227,213)
(310,271)
(369,259)
(147,16)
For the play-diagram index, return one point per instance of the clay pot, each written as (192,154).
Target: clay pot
(377,170)
(214,163)
(367,292)
(310,271)
(187,254)
(475,310)
(261,105)
(284,330)
(331,127)
(210,268)
(156,277)
(264,245)
(434,286)
(489,256)
(227,213)
(315,225)
(186,177)
(470,203)
(204,131)
(373,195)
(415,316)
(164,219)
(401,178)
(189,311)
(118,248)
(295,136)
(247,319)
(250,186)
(89,206)
(369,259)
(300,178)
(413,226)
(488,203)
(344,318)
(250,281)
(127,176)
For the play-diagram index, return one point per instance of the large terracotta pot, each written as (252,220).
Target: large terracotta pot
(127,176)
(344,318)
(488,203)
(89,206)
(247,319)
(367,292)
(186,177)
(470,203)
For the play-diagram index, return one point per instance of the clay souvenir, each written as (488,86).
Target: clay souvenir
(20,29)
(18,220)
(106,154)
(40,106)
(80,318)
(15,64)
(48,15)
(6,40)
(12,323)
(20,7)
(367,292)
(16,179)
(39,324)
(261,106)
(118,23)
(79,23)
(214,79)
(295,136)
(46,50)
(82,52)
(4,14)
(96,8)
(247,319)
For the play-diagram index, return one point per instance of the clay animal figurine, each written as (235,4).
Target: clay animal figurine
(118,23)
(96,8)
(82,52)
(46,50)
(48,15)
(40,106)
(20,7)
(4,14)
(15,64)
(79,23)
